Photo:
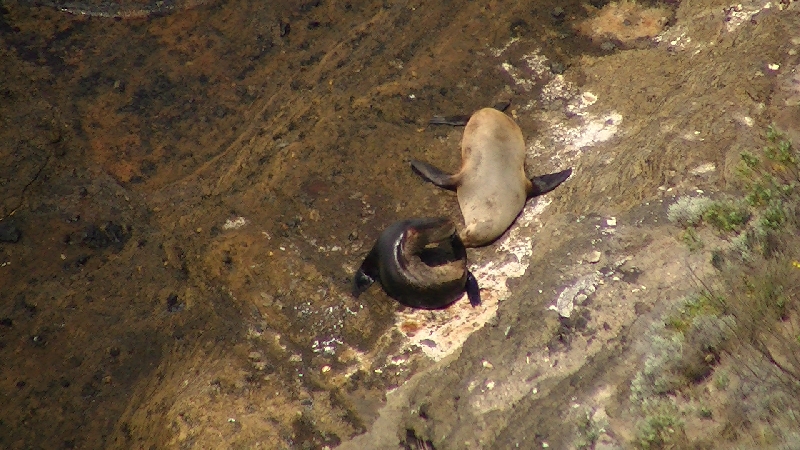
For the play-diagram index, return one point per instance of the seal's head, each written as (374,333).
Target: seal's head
(422,263)
(425,232)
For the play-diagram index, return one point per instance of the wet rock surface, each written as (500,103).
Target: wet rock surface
(186,195)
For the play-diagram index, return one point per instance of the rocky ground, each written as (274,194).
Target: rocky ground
(186,189)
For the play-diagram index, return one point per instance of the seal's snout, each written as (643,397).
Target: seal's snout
(477,234)
(435,229)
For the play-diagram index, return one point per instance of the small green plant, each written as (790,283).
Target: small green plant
(589,430)
(660,426)
(659,374)
(772,180)
(743,243)
(726,215)
(692,240)
(722,381)
(781,151)
(765,294)
(688,309)
(688,211)
(705,413)
(774,216)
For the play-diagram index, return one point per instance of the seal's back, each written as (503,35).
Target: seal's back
(493,184)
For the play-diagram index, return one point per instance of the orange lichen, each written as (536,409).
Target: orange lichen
(624,23)
(410,327)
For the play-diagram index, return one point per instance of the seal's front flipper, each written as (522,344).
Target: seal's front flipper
(455,121)
(361,282)
(460,121)
(366,274)
(502,106)
(546,183)
(434,175)
(473,290)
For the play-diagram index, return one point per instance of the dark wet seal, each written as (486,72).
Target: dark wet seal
(421,263)
(122,9)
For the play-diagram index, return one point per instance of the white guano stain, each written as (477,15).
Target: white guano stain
(235,223)
(736,15)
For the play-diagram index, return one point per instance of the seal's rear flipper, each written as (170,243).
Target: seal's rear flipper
(434,175)
(546,183)
(473,290)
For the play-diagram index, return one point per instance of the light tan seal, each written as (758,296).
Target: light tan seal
(491,185)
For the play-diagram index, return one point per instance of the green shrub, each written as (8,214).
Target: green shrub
(661,425)
(688,211)
(772,180)
(751,312)
(589,430)
(692,240)
(659,374)
(727,216)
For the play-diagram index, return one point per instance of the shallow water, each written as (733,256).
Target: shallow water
(130,9)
